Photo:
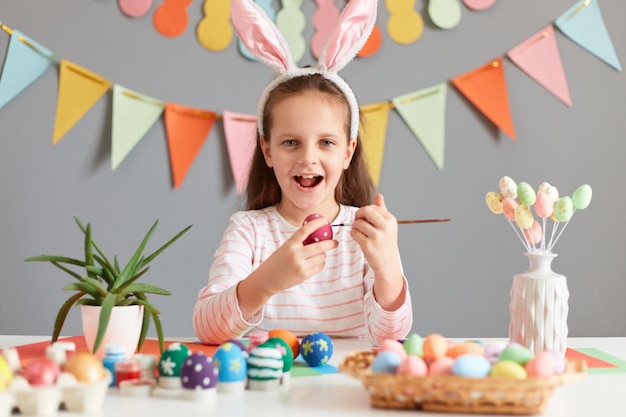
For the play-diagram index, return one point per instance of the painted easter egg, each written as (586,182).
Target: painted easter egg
(494,202)
(523,217)
(198,372)
(471,366)
(41,372)
(508,207)
(316,348)
(582,197)
(544,364)
(413,344)
(323,233)
(289,337)
(393,345)
(563,209)
(85,367)
(230,361)
(516,353)
(508,369)
(284,349)
(463,348)
(441,366)
(5,374)
(171,363)
(386,362)
(412,365)
(525,194)
(544,205)
(534,233)
(434,347)
(508,187)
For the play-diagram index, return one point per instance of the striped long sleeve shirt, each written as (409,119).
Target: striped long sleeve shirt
(338,301)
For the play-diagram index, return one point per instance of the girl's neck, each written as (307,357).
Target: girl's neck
(295,216)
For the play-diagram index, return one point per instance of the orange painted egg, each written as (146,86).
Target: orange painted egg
(435,346)
(459,349)
(85,367)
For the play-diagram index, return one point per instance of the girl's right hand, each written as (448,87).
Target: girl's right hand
(294,262)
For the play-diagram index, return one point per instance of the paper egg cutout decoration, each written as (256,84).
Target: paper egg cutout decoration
(323,233)
(5,374)
(284,349)
(231,363)
(171,363)
(316,348)
(265,368)
(198,372)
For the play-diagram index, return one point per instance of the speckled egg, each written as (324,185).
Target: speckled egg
(316,348)
(231,363)
(198,372)
(508,187)
(582,197)
(5,374)
(525,194)
(290,338)
(471,366)
(494,202)
(85,367)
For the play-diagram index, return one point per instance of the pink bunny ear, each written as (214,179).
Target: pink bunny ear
(353,28)
(260,35)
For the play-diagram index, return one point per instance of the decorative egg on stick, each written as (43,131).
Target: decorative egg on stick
(518,201)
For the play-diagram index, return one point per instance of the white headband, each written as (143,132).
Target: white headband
(265,41)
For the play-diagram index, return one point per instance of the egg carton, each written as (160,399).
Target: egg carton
(41,401)
(457,394)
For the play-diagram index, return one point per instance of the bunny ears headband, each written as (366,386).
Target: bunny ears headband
(265,41)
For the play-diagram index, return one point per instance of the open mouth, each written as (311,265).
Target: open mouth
(307,181)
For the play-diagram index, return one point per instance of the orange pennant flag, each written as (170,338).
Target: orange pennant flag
(79,89)
(186,129)
(485,87)
(373,135)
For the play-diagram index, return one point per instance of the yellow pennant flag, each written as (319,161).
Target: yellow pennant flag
(373,136)
(79,89)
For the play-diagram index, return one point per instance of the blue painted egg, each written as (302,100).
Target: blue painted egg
(316,348)
(386,362)
(471,366)
(231,363)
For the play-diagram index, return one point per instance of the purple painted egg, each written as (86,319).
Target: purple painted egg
(199,372)
(323,233)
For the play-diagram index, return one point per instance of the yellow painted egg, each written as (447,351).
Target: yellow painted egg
(508,369)
(5,374)
(85,367)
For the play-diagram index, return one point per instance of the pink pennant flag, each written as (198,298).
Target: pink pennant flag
(240,131)
(539,57)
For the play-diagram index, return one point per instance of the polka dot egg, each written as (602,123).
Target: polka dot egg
(199,372)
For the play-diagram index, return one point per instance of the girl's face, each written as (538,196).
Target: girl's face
(308,150)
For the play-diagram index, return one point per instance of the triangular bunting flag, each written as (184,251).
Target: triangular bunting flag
(485,87)
(187,129)
(133,115)
(25,61)
(373,136)
(583,24)
(424,111)
(240,131)
(539,57)
(79,89)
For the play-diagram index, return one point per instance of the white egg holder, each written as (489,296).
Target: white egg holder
(67,393)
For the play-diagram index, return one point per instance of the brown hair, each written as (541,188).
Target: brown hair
(355,187)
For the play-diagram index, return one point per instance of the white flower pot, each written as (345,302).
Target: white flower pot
(124,327)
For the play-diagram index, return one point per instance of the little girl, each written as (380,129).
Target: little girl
(308,160)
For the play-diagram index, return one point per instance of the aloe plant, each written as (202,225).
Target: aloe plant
(106,284)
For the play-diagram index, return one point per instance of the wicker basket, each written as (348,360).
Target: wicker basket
(456,394)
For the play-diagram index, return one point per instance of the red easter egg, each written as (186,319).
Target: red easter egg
(323,233)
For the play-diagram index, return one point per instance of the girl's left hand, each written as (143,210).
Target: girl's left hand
(376,231)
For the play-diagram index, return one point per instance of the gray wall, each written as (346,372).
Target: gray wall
(460,273)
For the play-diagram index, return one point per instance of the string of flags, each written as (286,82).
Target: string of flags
(187,128)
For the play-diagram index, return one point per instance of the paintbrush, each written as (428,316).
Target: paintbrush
(402,222)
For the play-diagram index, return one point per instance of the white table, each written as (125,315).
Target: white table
(330,395)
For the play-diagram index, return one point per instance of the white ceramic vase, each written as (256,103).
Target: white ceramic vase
(124,327)
(539,306)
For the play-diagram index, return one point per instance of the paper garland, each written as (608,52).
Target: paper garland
(187,129)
